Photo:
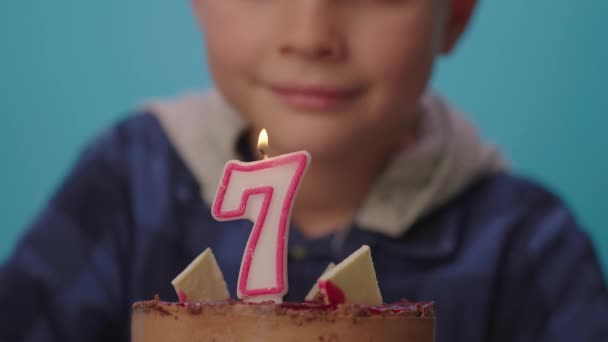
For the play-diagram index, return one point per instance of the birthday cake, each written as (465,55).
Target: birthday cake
(345,304)
(332,312)
(237,321)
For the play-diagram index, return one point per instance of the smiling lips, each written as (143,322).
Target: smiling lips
(314,98)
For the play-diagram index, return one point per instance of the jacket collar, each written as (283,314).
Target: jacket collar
(448,157)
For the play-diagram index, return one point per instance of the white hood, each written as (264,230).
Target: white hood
(448,157)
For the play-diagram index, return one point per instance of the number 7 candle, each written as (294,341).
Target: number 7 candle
(263,192)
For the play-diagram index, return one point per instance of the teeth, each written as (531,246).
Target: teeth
(355,277)
(201,281)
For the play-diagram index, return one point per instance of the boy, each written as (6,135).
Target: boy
(393,167)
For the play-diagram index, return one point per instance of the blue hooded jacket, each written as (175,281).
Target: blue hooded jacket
(504,260)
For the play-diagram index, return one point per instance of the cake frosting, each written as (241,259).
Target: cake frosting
(344,305)
(156,320)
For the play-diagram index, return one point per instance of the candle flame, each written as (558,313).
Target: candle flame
(263,144)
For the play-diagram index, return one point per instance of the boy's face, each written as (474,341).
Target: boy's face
(329,76)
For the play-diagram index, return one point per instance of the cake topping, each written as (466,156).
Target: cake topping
(331,293)
(353,281)
(201,281)
(403,309)
(314,292)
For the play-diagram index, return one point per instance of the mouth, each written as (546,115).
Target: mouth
(315,98)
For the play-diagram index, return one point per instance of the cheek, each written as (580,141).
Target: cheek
(405,73)
(231,48)
(227,51)
(399,58)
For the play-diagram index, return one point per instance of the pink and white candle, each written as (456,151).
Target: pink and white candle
(263,192)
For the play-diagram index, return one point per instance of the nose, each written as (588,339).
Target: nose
(311,32)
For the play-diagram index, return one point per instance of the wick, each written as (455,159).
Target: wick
(263,154)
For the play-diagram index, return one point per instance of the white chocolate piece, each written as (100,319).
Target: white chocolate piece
(201,281)
(356,278)
(312,294)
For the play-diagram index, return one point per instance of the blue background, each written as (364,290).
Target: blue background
(530,73)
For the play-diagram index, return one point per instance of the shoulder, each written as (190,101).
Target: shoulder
(516,206)
(136,142)
(132,159)
(110,158)
(138,132)
(160,126)
(499,214)
(544,259)
(525,221)
(506,195)
(500,191)
(514,199)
